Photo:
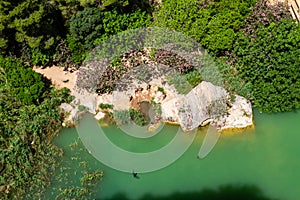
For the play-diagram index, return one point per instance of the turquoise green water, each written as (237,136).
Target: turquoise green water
(267,158)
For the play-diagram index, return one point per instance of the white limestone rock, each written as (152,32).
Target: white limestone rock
(99,115)
(201,103)
(207,103)
(239,115)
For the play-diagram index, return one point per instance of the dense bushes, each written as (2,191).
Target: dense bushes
(270,61)
(23,83)
(266,55)
(212,23)
(93,24)
(26,85)
(123,117)
(26,155)
(115,22)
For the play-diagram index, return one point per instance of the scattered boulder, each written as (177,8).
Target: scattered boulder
(99,115)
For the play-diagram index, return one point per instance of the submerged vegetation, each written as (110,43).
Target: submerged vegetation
(76,176)
(255,45)
(122,117)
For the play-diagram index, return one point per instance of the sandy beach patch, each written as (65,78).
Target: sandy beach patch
(59,77)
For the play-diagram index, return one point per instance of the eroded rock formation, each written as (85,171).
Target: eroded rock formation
(206,103)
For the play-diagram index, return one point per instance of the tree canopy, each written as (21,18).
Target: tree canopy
(36,23)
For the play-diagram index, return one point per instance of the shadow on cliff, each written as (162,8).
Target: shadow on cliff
(227,192)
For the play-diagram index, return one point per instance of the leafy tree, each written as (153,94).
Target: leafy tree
(37,24)
(86,26)
(126,6)
(94,24)
(26,85)
(119,3)
(23,83)
(69,8)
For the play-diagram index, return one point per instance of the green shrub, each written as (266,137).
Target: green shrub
(105,106)
(156,107)
(160,89)
(24,83)
(137,117)
(121,117)
(125,116)
(193,77)
(82,108)
(38,58)
(180,83)
(115,22)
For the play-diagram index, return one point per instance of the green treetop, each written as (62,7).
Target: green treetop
(35,22)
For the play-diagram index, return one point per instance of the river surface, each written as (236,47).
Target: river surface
(267,158)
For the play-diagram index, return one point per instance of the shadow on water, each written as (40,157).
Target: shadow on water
(226,192)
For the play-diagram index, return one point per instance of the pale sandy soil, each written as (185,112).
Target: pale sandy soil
(57,76)
(276,1)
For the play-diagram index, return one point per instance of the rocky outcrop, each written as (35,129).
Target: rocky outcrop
(204,104)
(239,115)
(205,101)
